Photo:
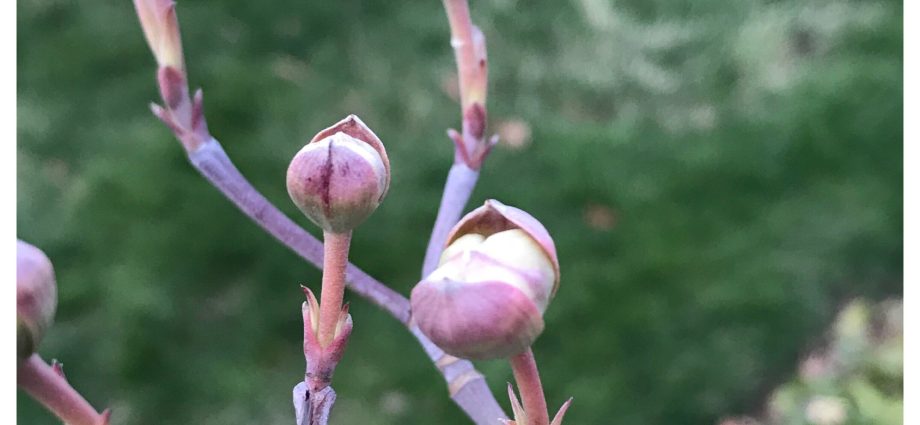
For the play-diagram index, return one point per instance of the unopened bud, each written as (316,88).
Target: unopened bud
(339,178)
(161,28)
(36,297)
(495,280)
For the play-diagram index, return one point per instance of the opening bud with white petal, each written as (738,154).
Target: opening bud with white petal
(495,280)
(36,297)
(339,178)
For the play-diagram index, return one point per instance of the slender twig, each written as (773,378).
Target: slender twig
(471,146)
(335,260)
(48,385)
(528,381)
(467,387)
(461,180)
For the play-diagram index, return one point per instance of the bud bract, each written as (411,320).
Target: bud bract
(36,297)
(495,280)
(339,178)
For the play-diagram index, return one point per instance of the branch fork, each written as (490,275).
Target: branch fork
(184,115)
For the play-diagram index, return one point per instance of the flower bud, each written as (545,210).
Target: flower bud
(339,178)
(161,28)
(36,297)
(495,280)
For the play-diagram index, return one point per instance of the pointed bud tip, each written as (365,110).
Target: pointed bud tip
(516,409)
(560,415)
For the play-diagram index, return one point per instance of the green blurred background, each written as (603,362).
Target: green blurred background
(719,177)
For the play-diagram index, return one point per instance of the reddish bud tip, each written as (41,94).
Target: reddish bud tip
(474,118)
(560,415)
(172,86)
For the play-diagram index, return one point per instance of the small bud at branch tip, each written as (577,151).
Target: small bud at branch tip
(161,29)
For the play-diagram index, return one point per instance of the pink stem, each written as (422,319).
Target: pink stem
(470,66)
(461,180)
(52,390)
(528,381)
(335,260)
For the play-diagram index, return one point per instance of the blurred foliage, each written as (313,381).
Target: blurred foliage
(857,379)
(717,175)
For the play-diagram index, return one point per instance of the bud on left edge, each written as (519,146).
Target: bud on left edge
(36,297)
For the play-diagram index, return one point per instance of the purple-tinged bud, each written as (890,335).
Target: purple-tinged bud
(495,280)
(36,297)
(339,178)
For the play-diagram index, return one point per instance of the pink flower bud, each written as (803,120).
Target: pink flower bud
(161,28)
(495,280)
(340,177)
(36,297)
